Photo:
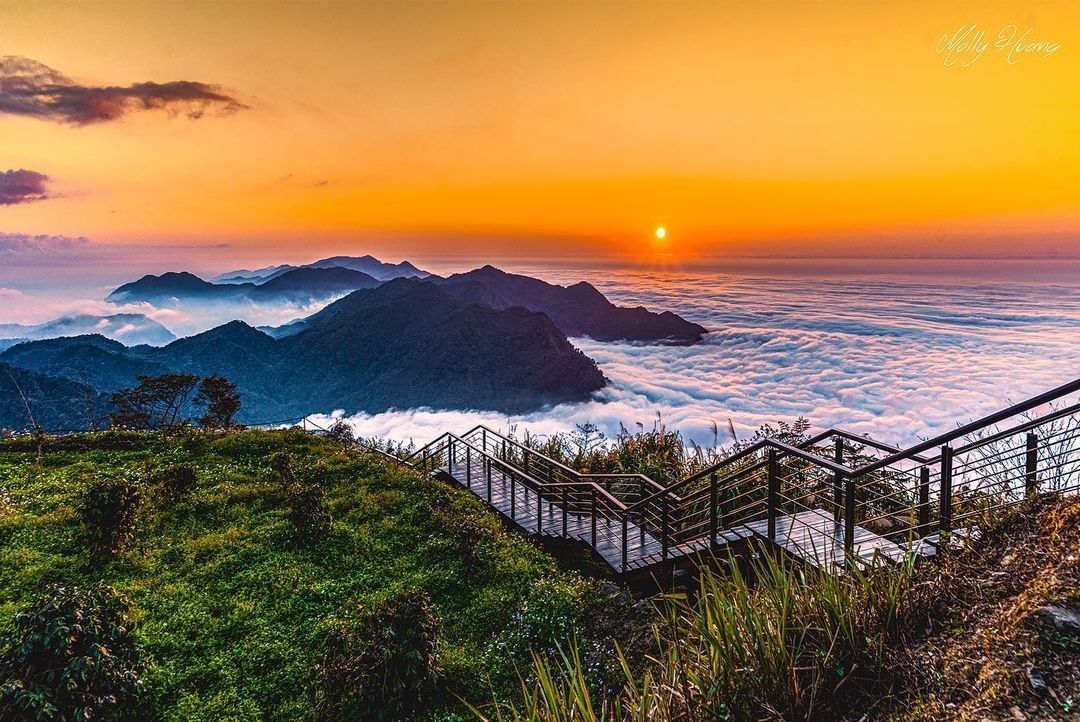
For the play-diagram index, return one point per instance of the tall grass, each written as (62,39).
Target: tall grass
(773,642)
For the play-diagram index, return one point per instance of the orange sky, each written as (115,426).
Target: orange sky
(407,128)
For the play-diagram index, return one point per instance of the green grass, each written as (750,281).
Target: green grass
(233,606)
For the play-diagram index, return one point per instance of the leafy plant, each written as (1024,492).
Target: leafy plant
(108,512)
(380,663)
(305,496)
(177,480)
(70,656)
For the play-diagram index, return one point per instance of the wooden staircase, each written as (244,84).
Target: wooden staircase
(834,501)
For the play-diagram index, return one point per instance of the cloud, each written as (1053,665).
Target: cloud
(35,90)
(24,245)
(900,360)
(22,186)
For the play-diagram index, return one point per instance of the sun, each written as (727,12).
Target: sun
(661,233)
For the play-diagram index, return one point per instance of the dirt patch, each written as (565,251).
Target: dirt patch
(989,649)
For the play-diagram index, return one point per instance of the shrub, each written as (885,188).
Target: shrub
(71,656)
(177,480)
(305,496)
(108,513)
(380,663)
(341,432)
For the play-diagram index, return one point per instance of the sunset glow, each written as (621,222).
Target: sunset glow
(835,128)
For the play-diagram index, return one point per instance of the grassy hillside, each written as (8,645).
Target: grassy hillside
(233,606)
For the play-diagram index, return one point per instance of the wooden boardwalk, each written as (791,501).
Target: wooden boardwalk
(815,537)
(520,508)
(812,536)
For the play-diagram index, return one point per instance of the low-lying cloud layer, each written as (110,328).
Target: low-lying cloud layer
(22,186)
(898,360)
(32,89)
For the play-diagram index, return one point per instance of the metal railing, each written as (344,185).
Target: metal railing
(864,486)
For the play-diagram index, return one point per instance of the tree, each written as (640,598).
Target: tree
(218,395)
(157,402)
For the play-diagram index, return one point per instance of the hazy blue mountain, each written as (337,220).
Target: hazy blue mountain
(578,310)
(300,285)
(105,364)
(408,343)
(372,266)
(128,328)
(405,343)
(57,404)
(244,275)
(365,264)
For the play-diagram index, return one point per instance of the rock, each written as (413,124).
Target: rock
(1038,682)
(1060,618)
(608,589)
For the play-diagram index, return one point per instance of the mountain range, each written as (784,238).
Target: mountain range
(485,339)
(299,285)
(129,328)
(577,310)
(406,343)
(365,264)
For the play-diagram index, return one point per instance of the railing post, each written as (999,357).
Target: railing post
(450,457)
(539,511)
(773,493)
(504,449)
(468,468)
(714,512)
(565,508)
(592,513)
(624,520)
(665,527)
(641,515)
(489,484)
(1031,476)
(849,513)
(488,472)
(513,498)
(924,500)
(945,515)
(838,479)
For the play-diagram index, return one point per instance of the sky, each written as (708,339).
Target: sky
(232,134)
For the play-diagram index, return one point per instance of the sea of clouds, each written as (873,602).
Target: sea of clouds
(898,358)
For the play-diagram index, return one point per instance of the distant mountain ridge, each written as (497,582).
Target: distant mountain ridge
(405,344)
(365,264)
(129,328)
(578,310)
(299,285)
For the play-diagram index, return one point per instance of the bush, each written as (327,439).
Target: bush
(177,480)
(71,656)
(108,513)
(381,663)
(305,496)
(341,432)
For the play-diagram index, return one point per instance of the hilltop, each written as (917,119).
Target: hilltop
(234,608)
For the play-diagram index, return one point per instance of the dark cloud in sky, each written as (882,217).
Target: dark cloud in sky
(35,90)
(22,186)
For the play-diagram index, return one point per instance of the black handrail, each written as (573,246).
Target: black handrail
(959,432)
